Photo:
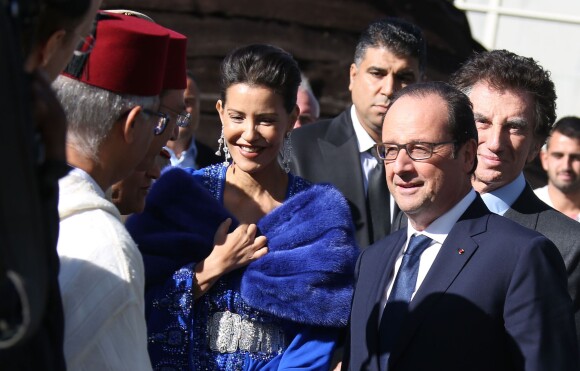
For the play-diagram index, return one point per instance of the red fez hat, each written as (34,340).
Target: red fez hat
(128,57)
(175,74)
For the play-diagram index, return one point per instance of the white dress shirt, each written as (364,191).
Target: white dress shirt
(500,200)
(186,158)
(437,231)
(367,161)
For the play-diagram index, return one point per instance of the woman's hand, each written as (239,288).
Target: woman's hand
(237,249)
(231,251)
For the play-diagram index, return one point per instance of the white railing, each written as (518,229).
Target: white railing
(494,10)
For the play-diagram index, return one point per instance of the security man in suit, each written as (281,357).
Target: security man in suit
(390,54)
(514,103)
(460,288)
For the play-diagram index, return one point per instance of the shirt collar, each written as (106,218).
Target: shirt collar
(85,176)
(500,200)
(440,227)
(187,157)
(364,140)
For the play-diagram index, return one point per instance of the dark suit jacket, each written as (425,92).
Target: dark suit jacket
(206,156)
(500,305)
(327,152)
(531,212)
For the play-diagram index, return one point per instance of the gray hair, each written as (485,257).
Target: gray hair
(91,112)
(305,86)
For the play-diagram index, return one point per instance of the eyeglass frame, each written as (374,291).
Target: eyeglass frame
(428,145)
(163,120)
(183,119)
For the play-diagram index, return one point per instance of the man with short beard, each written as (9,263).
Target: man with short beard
(390,55)
(561,160)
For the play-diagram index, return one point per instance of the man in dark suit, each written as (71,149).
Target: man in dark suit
(514,103)
(478,291)
(390,54)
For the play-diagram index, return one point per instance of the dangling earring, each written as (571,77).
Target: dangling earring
(222,145)
(287,152)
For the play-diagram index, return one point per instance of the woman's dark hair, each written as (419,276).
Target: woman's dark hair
(262,65)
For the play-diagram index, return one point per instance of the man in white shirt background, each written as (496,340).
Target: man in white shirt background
(561,161)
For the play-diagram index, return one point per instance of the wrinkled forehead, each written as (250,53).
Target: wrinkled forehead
(502,104)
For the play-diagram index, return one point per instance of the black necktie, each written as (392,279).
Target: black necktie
(378,201)
(397,305)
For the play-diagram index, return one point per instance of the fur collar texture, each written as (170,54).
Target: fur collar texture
(307,275)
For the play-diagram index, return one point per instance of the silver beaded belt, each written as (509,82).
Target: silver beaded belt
(229,332)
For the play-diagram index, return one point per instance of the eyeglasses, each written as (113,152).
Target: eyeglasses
(183,118)
(85,45)
(388,152)
(162,120)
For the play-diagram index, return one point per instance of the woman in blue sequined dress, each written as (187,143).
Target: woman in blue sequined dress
(247,266)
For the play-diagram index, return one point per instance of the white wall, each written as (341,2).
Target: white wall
(546,30)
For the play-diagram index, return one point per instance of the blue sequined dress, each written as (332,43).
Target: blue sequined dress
(283,311)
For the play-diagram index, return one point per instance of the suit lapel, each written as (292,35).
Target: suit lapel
(526,209)
(455,253)
(380,266)
(339,150)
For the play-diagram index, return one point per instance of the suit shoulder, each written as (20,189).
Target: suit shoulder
(559,228)
(312,131)
(509,228)
(553,219)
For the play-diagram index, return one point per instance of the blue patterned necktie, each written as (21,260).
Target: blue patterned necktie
(397,305)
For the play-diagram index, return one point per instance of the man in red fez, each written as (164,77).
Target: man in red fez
(175,116)
(111,98)
(172,100)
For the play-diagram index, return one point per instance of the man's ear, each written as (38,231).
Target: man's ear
(352,74)
(470,153)
(293,117)
(51,45)
(129,124)
(544,159)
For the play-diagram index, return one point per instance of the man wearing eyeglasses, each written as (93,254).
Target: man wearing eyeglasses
(172,104)
(460,288)
(111,99)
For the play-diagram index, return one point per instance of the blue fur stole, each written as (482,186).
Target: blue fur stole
(307,275)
